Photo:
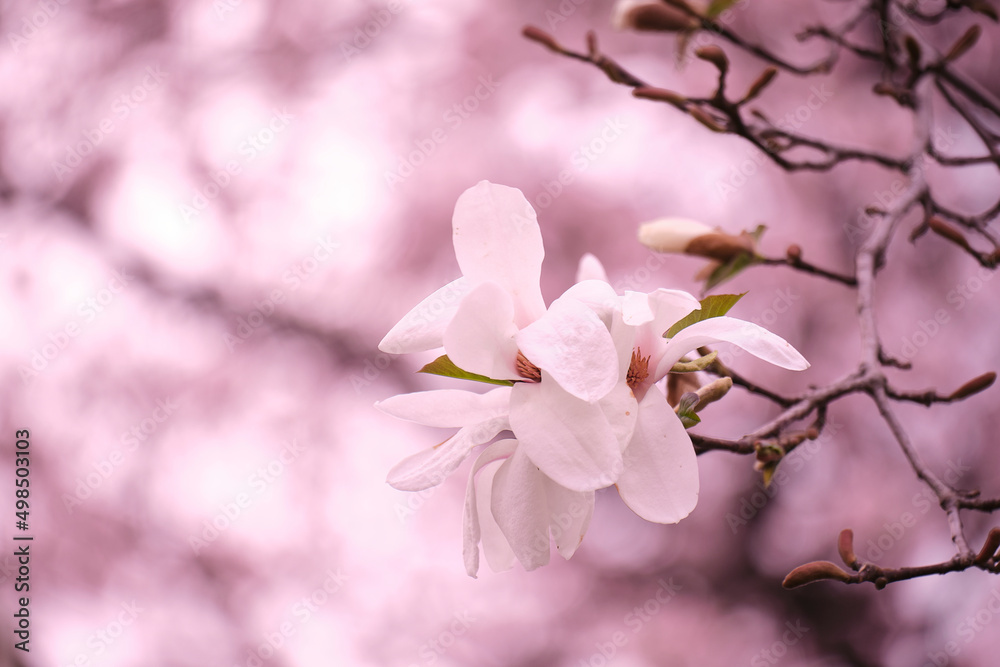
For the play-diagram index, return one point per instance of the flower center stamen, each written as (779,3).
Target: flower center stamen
(638,369)
(526,369)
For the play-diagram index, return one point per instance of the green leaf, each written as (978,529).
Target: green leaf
(715,305)
(767,473)
(687,409)
(724,272)
(446,367)
(716,7)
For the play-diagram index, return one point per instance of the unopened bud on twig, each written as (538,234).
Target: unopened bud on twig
(964,43)
(815,571)
(713,391)
(990,547)
(650,16)
(794,252)
(542,37)
(845,545)
(714,55)
(973,386)
(660,95)
(693,238)
(762,82)
(942,228)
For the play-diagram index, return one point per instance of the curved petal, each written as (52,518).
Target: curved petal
(756,340)
(520,508)
(478,523)
(447,408)
(597,295)
(569,516)
(431,466)
(660,480)
(480,336)
(590,268)
(497,239)
(574,346)
(423,327)
(568,439)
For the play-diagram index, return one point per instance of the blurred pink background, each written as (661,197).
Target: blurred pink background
(211,214)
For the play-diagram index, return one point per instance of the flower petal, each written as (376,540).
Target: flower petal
(481,526)
(447,408)
(480,337)
(569,516)
(497,239)
(521,510)
(431,466)
(621,410)
(660,480)
(756,340)
(574,346)
(591,269)
(423,327)
(570,440)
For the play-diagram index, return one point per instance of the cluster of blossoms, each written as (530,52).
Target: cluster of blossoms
(577,407)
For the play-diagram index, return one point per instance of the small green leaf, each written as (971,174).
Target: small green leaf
(446,367)
(716,7)
(699,364)
(686,409)
(768,473)
(716,305)
(724,272)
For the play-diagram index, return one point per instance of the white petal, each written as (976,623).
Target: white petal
(447,408)
(497,239)
(660,481)
(423,327)
(597,295)
(570,440)
(480,337)
(591,269)
(477,527)
(520,508)
(569,516)
(431,466)
(621,410)
(756,340)
(574,346)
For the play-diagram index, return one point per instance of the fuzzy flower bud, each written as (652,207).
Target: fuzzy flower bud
(692,238)
(650,16)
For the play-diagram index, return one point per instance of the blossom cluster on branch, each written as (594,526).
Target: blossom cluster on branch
(582,402)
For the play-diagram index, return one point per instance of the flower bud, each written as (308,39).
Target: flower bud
(690,237)
(714,55)
(651,16)
(973,386)
(845,545)
(660,95)
(713,391)
(964,43)
(815,571)
(990,547)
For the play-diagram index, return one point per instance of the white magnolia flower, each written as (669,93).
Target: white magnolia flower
(584,407)
(497,326)
(657,475)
